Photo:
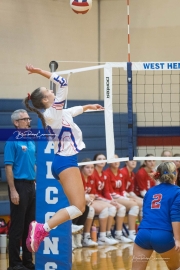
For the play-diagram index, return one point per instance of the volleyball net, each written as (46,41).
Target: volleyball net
(142,106)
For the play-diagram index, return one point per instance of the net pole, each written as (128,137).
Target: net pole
(128,24)
(53,65)
(108,113)
(130,111)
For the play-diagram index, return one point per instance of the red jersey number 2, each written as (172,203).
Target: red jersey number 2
(156,203)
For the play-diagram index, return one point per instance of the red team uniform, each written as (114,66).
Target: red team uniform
(101,185)
(116,182)
(89,186)
(128,179)
(143,181)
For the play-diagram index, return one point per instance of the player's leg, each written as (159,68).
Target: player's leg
(101,209)
(133,211)
(139,202)
(121,212)
(171,258)
(141,257)
(72,184)
(164,244)
(71,181)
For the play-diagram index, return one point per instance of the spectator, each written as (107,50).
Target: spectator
(166,153)
(177,163)
(19,159)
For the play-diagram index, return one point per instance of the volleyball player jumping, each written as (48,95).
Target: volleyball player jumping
(64,165)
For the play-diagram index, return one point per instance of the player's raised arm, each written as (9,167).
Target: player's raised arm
(31,69)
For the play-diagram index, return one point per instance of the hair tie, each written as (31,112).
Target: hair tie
(157,175)
(165,172)
(29,96)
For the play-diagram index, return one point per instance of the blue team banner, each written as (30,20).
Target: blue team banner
(56,250)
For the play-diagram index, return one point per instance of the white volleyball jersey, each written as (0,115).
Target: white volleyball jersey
(68,139)
(53,115)
(70,136)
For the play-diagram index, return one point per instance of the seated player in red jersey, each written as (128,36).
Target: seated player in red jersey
(97,207)
(103,194)
(117,190)
(144,177)
(129,177)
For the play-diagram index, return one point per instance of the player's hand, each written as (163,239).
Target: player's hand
(114,203)
(177,245)
(32,69)
(92,197)
(96,107)
(14,197)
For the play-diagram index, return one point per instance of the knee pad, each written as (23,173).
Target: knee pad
(112,211)
(104,213)
(134,211)
(121,211)
(91,213)
(73,211)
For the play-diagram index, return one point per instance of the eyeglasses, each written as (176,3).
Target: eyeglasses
(25,119)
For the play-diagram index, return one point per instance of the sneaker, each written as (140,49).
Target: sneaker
(28,240)
(36,235)
(78,239)
(17,267)
(30,266)
(132,236)
(76,228)
(106,241)
(123,239)
(114,241)
(88,242)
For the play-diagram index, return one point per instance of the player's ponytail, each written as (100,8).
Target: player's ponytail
(36,99)
(166,172)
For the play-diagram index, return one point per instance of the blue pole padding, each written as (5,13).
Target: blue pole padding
(55,252)
(130,111)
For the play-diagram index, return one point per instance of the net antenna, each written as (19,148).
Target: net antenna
(142,109)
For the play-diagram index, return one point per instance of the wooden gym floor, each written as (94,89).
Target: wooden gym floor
(103,258)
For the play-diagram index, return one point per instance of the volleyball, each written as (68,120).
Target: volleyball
(81,6)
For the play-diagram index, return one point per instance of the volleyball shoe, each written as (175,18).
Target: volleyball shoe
(36,235)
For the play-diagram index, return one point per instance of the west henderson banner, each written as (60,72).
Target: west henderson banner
(155,65)
(56,250)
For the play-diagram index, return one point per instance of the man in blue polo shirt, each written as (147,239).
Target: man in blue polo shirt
(19,159)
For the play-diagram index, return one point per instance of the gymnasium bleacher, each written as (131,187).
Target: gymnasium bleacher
(91,124)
